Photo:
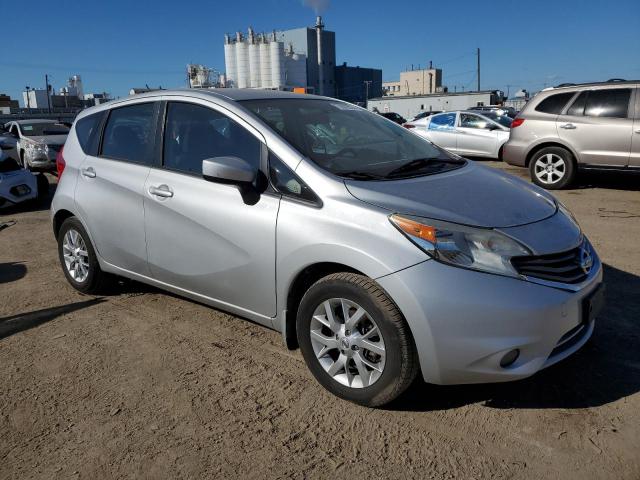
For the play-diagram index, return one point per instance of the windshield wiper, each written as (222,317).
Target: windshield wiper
(419,163)
(356,175)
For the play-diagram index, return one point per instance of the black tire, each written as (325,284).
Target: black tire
(96,279)
(401,360)
(23,162)
(43,187)
(557,154)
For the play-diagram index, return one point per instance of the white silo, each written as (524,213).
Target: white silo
(242,63)
(254,65)
(265,65)
(277,64)
(230,62)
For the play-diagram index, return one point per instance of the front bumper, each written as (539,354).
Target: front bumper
(40,161)
(17,187)
(464,322)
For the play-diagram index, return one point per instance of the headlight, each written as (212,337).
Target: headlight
(476,248)
(35,148)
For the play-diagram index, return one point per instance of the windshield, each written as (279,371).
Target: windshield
(503,120)
(42,129)
(350,141)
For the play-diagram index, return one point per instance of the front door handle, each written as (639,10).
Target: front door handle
(161,191)
(637,130)
(568,126)
(89,172)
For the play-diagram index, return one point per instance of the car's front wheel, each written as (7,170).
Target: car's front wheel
(355,341)
(552,168)
(78,258)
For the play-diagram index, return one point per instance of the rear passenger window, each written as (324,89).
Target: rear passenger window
(446,121)
(554,103)
(577,107)
(129,133)
(612,103)
(194,133)
(87,130)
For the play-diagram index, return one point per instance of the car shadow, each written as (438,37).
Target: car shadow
(20,322)
(606,369)
(12,271)
(606,179)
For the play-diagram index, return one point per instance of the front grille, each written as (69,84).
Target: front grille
(565,267)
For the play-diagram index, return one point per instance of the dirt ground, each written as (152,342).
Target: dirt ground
(143,384)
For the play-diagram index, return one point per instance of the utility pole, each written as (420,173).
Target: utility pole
(28,99)
(478,69)
(366,95)
(46,82)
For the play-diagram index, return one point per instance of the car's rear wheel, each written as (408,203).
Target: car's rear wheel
(355,340)
(78,258)
(552,168)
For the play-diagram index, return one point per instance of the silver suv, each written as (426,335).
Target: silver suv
(376,252)
(590,126)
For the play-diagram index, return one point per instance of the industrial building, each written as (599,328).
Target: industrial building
(410,105)
(7,103)
(301,60)
(261,61)
(201,76)
(356,84)
(415,82)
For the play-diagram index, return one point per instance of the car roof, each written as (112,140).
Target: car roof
(35,120)
(591,84)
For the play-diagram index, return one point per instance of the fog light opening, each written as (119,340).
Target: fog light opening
(510,358)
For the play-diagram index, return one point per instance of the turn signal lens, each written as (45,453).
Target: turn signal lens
(415,229)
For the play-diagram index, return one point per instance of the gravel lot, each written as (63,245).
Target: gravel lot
(143,384)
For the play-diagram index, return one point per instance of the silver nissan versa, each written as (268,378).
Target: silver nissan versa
(377,253)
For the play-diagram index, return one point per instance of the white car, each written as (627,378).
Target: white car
(465,133)
(38,142)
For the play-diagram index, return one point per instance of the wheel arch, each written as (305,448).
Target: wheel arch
(298,287)
(58,219)
(546,144)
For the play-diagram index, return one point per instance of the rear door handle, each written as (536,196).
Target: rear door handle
(161,191)
(568,126)
(637,130)
(89,172)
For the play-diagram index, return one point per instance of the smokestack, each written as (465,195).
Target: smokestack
(319,27)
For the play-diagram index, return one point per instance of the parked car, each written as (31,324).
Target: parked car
(394,117)
(425,115)
(589,126)
(18,185)
(465,133)
(37,143)
(377,253)
(498,109)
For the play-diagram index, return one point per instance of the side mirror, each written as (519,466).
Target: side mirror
(228,169)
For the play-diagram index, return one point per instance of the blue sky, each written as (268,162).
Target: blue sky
(117,44)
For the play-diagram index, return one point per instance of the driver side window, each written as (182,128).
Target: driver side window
(194,133)
(472,121)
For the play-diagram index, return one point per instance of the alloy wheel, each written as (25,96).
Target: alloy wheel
(550,168)
(76,257)
(347,343)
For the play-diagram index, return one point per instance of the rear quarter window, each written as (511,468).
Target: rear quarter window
(554,104)
(88,132)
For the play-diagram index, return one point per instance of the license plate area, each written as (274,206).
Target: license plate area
(592,304)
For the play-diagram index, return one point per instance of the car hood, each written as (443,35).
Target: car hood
(473,195)
(48,139)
